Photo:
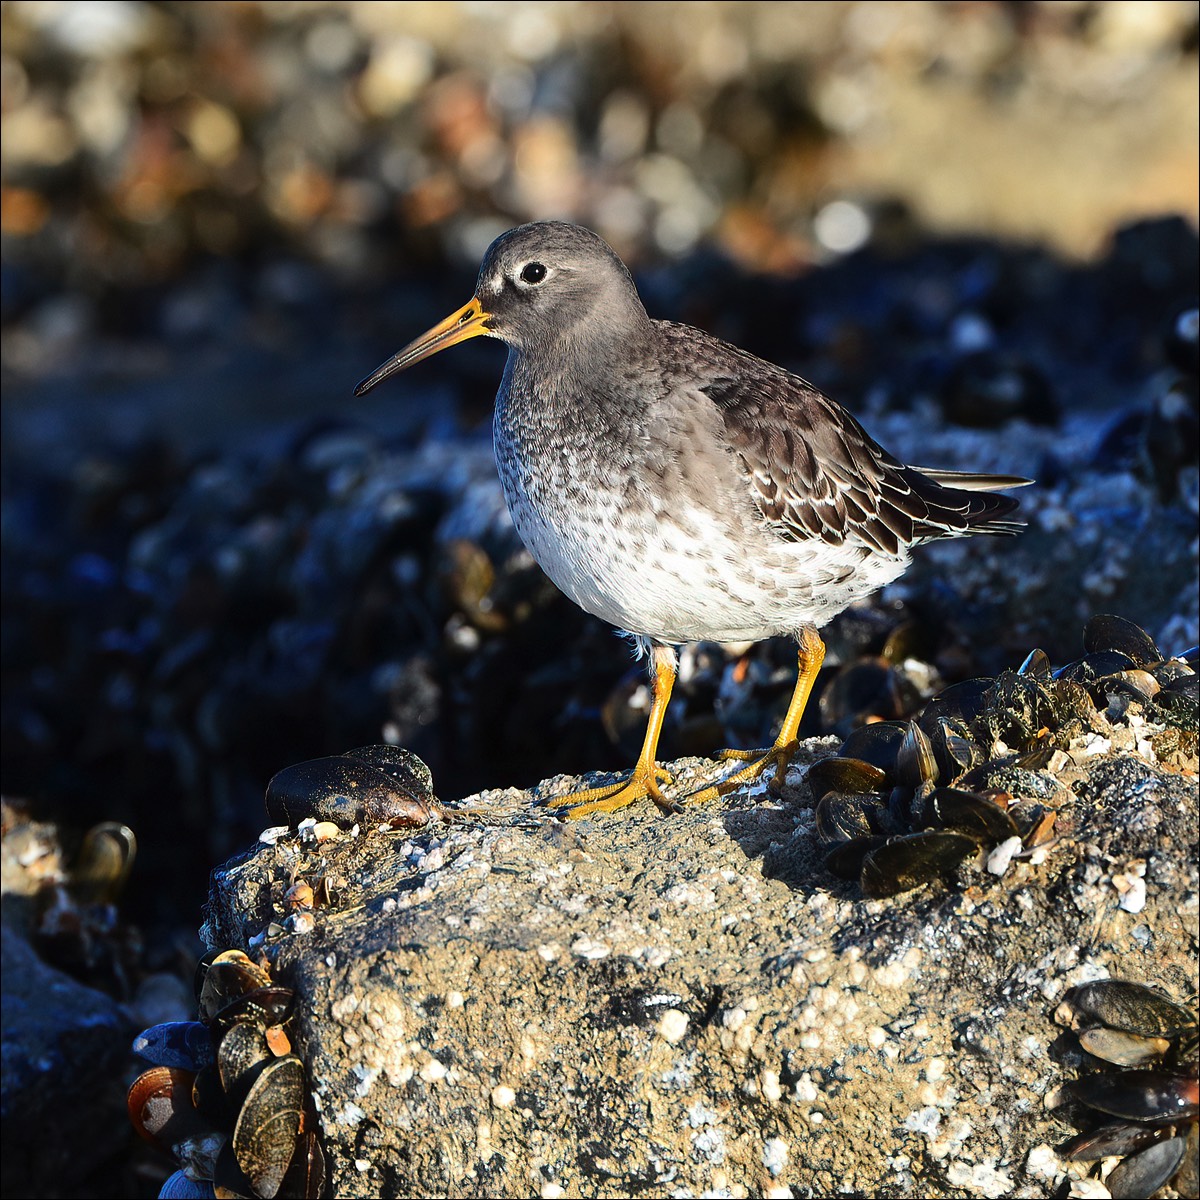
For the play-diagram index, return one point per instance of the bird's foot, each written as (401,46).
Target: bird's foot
(757,762)
(614,796)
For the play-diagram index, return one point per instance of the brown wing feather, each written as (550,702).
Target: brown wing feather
(816,473)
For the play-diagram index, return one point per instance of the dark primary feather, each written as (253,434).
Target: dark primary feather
(817,473)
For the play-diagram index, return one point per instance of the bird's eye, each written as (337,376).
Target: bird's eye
(533,272)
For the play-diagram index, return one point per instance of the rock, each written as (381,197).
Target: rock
(509,1005)
(65,1051)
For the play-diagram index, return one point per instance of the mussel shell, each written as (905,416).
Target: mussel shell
(972,814)
(1005,777)
(915,761)
(1037,664)
(954,751)
(264,1138)
(1169,670)
(411,772)
(103,863)
(1180,700)
(1092,667)
(1018,707)
(1139,1095)
(263,1006)
(306,1176)
(1138,684)
(846,775)
(183,1044)
(1140,1175)
(865,691)
(1122,1004)
(229,976)
(1121,1048)
(1109,1141)
(877,744)
(242,1052)
(1072,701)
(160,1106)
(905,862)
(228,1178)
(209,1099)
(841,818)
(845,859)
(346,791)
(963,701)
(1108,632)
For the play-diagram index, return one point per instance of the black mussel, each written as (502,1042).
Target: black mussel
(411,772)
(263,1006)
(161,1109)
(1170,670)
(209,1099)
(954,751)
(1036,664)
(906,862)
(1092,667)
(1036,759)
(869,689)
(1006,777)
(848,775)
(845,859)
(103,863)
(915,761)
(972,814)
(229,1177)
(306,1176)
(877,744)
(910,639)
(1121,1004)
(1072,701)
(960,702)
(1139,1095)
(1179,700)
(1105,632)
(1132,685)
(229,976)
(1018,708)
(264,1138)
(242,1052)
(841,818)
(1121,1048)
(1140,1175)
(350,791)
(1109,1141)
(183,1044)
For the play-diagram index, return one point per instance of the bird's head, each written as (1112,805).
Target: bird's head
(539,284)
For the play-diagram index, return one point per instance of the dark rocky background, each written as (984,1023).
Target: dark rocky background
(972,223)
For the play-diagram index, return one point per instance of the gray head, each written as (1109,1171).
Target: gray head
(539,284)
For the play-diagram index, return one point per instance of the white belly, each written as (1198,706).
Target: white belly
(682,577)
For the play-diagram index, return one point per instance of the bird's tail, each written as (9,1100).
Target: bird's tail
(963,502)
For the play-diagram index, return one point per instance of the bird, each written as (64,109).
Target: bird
(683,489)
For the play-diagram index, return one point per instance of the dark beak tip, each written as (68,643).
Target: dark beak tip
(362,387)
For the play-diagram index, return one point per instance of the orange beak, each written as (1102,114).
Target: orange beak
(468,322)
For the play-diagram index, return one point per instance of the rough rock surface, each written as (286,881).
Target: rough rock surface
(62,1042)
(638,1005)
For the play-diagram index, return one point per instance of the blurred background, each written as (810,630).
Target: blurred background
(973,223)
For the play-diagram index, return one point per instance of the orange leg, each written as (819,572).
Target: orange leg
(811,655)
(646,773)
